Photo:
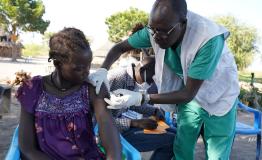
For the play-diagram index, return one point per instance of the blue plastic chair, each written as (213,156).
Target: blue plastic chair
(14,153)
(171,120)
(130,152)
(168,119)
(244,129)
(241,128)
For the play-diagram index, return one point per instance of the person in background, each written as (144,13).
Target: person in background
(139,78)
(134,55)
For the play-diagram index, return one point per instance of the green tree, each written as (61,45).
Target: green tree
(242,40)
(22,15)
(121,23)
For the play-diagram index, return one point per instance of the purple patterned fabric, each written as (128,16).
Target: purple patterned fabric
(63,125)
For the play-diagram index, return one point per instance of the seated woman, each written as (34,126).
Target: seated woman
(57,109)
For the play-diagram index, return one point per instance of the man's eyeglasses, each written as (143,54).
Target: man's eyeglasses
(154,32)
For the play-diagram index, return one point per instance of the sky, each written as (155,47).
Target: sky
(90,15)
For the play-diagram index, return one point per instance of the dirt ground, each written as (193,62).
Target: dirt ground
(244,147)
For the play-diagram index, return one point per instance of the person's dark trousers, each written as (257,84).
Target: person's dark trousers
(161,144)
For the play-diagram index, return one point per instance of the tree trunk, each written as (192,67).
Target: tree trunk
(14,38)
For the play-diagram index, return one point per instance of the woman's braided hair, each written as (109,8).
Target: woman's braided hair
(67,42)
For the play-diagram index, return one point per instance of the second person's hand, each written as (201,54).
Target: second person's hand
(145,123)
(123,98)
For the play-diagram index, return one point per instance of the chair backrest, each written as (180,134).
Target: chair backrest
(255,129)
(257,114)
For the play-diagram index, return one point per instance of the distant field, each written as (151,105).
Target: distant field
(35,50)
(246,76)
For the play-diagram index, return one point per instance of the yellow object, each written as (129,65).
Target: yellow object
(13,37)
(161,128)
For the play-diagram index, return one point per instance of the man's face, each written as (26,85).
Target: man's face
(165,27)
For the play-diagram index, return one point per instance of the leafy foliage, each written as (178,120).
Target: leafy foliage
(121,23)
(25,15)
(241,41)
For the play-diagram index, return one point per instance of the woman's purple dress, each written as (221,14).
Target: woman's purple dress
(63,125)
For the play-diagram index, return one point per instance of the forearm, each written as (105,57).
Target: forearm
(145,109)
(111,57)
(29,150)
(109,137)
(135,123)
(115,52)
(27,138)
(184,95)
(107,131)
(33,154)
(176,97)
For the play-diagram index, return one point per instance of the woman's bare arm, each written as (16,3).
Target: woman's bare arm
(107,130)
(27,138)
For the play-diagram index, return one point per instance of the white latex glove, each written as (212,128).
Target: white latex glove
(123,98)
(97,78)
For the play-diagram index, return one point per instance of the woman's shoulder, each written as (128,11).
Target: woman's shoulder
(29,92)
(30,83)
(92,91)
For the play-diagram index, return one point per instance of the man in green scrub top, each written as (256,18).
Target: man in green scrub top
(195,71)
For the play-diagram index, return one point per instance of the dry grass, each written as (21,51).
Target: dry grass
(246,76)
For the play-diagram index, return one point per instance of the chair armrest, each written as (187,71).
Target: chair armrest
(257,114)
(129,151)
(246,108)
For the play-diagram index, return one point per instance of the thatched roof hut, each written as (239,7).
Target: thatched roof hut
(7,47)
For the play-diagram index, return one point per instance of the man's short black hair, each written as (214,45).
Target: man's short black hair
(179,7)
